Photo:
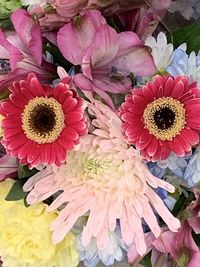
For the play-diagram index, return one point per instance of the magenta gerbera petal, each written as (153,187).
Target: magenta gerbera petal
(42,121)
(162,116)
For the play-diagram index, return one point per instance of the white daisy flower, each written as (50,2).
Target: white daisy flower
(161,51)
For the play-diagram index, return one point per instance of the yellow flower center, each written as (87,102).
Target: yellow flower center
(164,118)
(43,120)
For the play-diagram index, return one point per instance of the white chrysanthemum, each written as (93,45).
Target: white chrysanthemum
(161,51)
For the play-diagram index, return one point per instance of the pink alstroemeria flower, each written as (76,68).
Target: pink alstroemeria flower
(181,246)
(22,48)
(106,57)
(68,8)
(8,167)
(141,20)
(142,17)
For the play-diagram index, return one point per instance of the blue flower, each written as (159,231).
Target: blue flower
(176,164)
(156,170)
(192,172)
(91,255)
(184,64)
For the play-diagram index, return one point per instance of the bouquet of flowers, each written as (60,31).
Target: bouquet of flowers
(100,134)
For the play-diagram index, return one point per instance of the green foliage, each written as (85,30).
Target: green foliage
(146,261)
(16,192)
(8,6)
(179,205)
(189,35)
(25,172)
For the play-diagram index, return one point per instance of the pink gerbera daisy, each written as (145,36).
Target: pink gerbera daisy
(41,123)
(162,116)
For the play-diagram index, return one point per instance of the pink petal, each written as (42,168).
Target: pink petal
(133,58)
(194,262)
(178,90)
(165,150)
(70,134)
(73,117)
(25,149)
(76,37)
(169,85)
(23,23)
(16,142)
(105,46)
(82,82)
(144,140)
(152,147)
(14,53)
(177,147)
(191,136)
(70,104)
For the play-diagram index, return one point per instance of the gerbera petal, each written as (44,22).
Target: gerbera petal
(178,90)
(70,134)
(158,154)
(16,142)
(70,104)
(140,101)
(73,117)
(165,150)
(36,88)
(147,93)
(10,123)
(25,149)
(144,140)
(169,85)
(185,144)
(191,135)
(79,126)
(13,132)
(177,147)
(152,147)
(19,102)
(133,133)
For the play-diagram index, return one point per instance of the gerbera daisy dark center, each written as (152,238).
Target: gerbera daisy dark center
(164,118)
(43,120)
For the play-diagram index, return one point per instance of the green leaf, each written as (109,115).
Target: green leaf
(25,172)
(146,261)
(179,205)
(16,192)
(189,35)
